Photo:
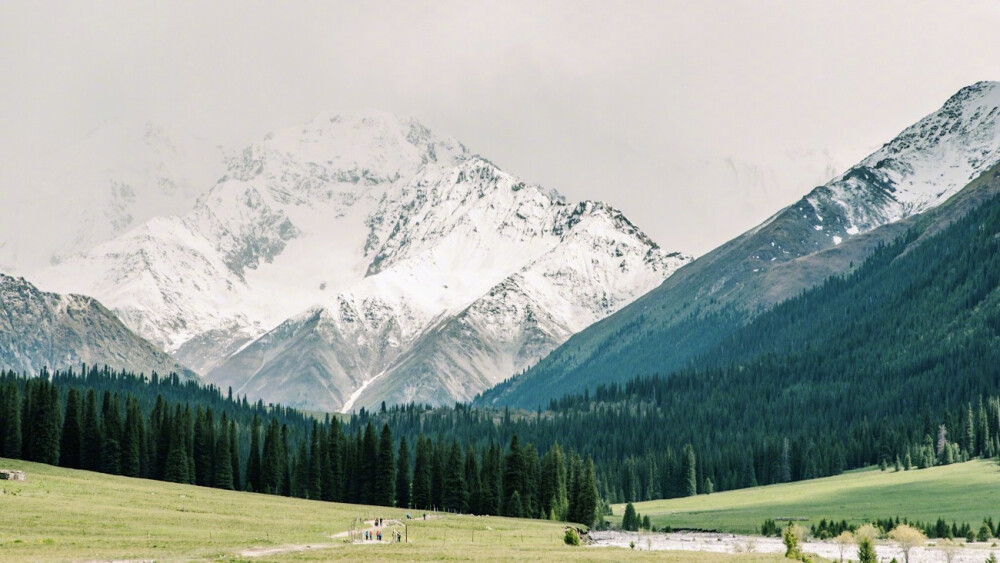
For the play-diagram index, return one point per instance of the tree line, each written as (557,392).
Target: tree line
(122,424)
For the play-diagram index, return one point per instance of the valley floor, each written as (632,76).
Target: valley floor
(68,515)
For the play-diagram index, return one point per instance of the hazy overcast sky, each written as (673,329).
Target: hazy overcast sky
(596,99)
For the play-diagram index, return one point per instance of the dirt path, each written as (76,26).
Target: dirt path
(265,551)
(730,543)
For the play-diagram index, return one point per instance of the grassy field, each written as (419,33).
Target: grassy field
(61,514)
(964,492)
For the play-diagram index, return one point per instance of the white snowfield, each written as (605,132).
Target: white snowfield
(730,543)
(361,259)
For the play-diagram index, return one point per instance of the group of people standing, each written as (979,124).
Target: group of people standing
(376,534)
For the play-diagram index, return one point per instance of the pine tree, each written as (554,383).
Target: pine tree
(300,473)
(472,485)
(367,465)
(111,449)
(403,475)
(491,490)
(72,432)
(234,452)
(586,502)
(514,507)
(253,461)
(92,437)
(630,519)
(222,476)
(204,442)
(454,496)
(337,453)
(45,422)
(11,438)
(176,470)
(514,478)
(316,454)
(786,462)
(422,474)
(689,485)
(132,440)
(285,462)
(270,461)
(385,470)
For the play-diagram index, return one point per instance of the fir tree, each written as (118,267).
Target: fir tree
(270,461)
(454,496)
(11,438)
(234,452)
(177,469)
(253,459)
(72,432)
(222,476)
(403,475)
(689,484)
(111,458)
(92,438)
(422,474)
(385,470)
(514,478)
(133,438)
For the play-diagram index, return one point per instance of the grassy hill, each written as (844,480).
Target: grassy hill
(964,492)
(61,514)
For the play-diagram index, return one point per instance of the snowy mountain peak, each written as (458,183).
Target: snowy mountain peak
(330,252)
(924,165)
(366,146)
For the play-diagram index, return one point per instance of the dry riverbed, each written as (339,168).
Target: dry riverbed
(730,543)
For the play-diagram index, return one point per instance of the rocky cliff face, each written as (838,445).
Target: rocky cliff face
(44,330)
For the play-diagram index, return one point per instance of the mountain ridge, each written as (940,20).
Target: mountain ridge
(925,164)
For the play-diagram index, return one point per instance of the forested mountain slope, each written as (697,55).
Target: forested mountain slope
(832,228)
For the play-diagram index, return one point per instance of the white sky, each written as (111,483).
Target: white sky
(607,100)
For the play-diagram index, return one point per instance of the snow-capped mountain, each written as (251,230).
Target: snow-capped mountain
(44,330)
(328,254)
(119,176)
(798,247)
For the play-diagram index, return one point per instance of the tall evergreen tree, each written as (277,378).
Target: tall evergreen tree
(385,470)
(92,438)
(72,432)
(368,462)
(514,479)
(177,470)
(133,438)
(473,486)
(491,491)
(253,459)
(403,475)
(203,445)
(111,448)
(786,462)
(689,484)
(270,461)
(222,476)
(422,474)
(11,438)
(316,453)
(454,496)
(234,452)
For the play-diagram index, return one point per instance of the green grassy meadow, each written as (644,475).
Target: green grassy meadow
(964,492)
(68,515)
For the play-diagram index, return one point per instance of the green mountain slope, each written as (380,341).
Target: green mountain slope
(827,232)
